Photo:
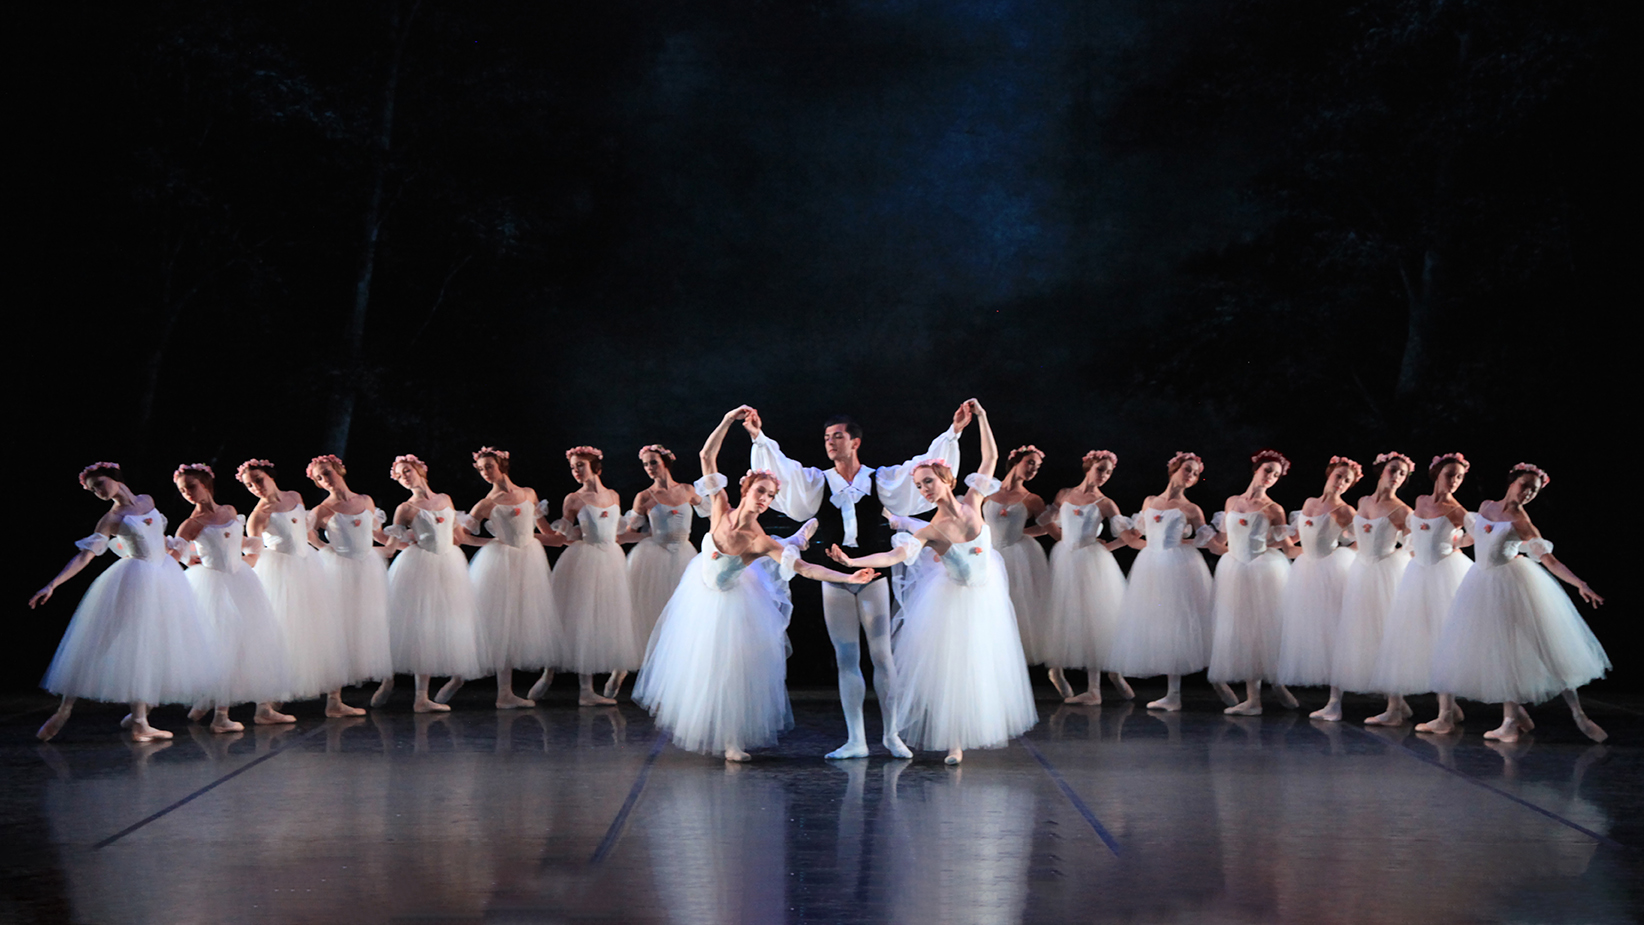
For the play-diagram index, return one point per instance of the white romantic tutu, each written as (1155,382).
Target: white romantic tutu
(516,624)
(1365,601)
(1087,588)
(1310,609)
(431,613)
(717,666)
(596,605)
(1414,622)
(252,641)
(137,635)
(1164,621)
(1513,634)
(1027,571)
(359,586)
(962,677)
(318,648)
(654,571)
(1247,617)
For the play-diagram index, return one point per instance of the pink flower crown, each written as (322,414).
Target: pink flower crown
(1028,449)
(1530,467)
(929,461)
(1275,456)
(313,470)
(1094,455)
(1183,458)
(1389,457)
(1445,457)
(186,468)
(489,451)
(249,465)
(93,468)
(658,449)
(576,451)
(1352,466)
(754,474)
(409,459)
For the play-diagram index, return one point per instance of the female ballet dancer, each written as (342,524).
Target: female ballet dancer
(136,637)
(1378,526)
(358,572)
(661,523)
(227,593)
(1086,584)
(430,599)
(1312,597)
(1416,617)
(591,580)
(514,616)
(1250,582)
(297,587)
(1164,621)
(962,678)
(715,672)
(1012,515)
(1512,636)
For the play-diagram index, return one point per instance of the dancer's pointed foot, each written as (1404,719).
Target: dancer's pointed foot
(955,756)
(383,690)
(141,731)
(1171,702)
(127,721)
(1121,685)
(852,749)
(1590,729)
(1508,731)
(732,753)
(448,691)
(222,724)
(613,684)
(806,531)
(1226,693)
(423,705)
(893,743)
(1247,708)
(1440,726)
(1330,712)
(266,715)
(198,712)
(1059,680)
(1386,718)
(1285,697)
(336,709)
(52,726)
(508,700)
(1092,696)
(540,689)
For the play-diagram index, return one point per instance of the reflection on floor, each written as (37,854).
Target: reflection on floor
(562,814)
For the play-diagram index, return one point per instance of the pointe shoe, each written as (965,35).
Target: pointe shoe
(954,757)
(50,728)
(223,725)
(424,705)
(1590,729)
(511,702)
(732,753)
(806,531)
(591,699)
(540,688)
(337,710)
(1285,697)
(1330,713)
(449,690)
(1169,702)
(1091,697)
(266,715)
(1440,726)
(1386,718)
(1121,685)
(143,732)
(1248,708)
(383,690)
(613,685)
(1226,693)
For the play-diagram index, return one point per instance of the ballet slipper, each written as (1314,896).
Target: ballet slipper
(1059,680)
(732,753)
(1120,684)
(52,726)
(1089,698)
(613,684)
(1285,697)
(893,743)
(955,756)
(1171,702)
(1222,691)
(424,705)
(266,715)
(449,690)
(851,750)
(336,709)
(508,700)
(380,698)
(540,689)
(221,723)
(1247,708)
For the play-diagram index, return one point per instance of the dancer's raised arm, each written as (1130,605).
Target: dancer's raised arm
(801,494)
(709,455)
(895,483)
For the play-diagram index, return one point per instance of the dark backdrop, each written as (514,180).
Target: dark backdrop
(385,227)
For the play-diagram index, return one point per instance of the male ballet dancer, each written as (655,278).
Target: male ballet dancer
(842,499)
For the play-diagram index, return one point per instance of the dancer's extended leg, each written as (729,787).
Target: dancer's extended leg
(1588,727)
(873,609)
(54,723)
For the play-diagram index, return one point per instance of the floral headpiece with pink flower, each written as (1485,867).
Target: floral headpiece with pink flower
(1352,466)
(409,459)
(316,464)
(1027,449)
(87,471)
(186,468)
(1091,457)
(1530,467)
(489,451)
(1384,458)
(1443,458)
(756,474)
(1184,458)
(929,461)
(591,451)
(1273,456)
(658,449)
(249,465)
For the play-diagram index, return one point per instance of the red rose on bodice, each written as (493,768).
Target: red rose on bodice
(1309,523)
(1243,522)
(516,512)
(604,514)
(1158,517)
(1426,527)
(356,521)
(148,520)
(439,520)
(976,550)
(674,512)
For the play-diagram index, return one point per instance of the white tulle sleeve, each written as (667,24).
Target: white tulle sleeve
(544,508)
(1119,523)
(1469,522)
(785,568)
(1048,515)
(1217,521)
(1203,536)
(178,545)
(1278,533)
(96,544)
(904,540)
(400,533)
(635,522)
(1293,529)
(986,484)
(1536,548)
(703,508)
(251,545)
(895,483)
(714,482)
(567,529)
(905,524)
(470,523)
(381,516)
(800,495)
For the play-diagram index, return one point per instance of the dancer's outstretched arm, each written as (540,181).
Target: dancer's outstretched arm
(800,496)
(709,455)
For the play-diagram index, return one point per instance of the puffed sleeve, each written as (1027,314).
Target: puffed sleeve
(904,540)
(1048,515)
(895,483)
(96,544)
(1218,520)
(790,556)
(544,508)
(1536,548)
(800,495)
(1279,532)
(635,522)
(1119,523)
(712,484)
(567,529)
(470,523)
(1293,529)
(703,508)
(400,533)
(1469,522)
(1203,536)
(178,545)
(986,484)
(379,514)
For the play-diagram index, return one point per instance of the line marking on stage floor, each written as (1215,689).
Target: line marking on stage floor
(272,753)
(1405,749)
(608,843)
(1073,797)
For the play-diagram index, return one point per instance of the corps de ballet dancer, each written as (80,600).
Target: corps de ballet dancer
(963,679)
(1164,621)
(358,571)
(298,589)
(1512,636)
(1250,581)
(515,623)
(136,636)
(591,589)
(1086,584)
(255,661)
(1379,526)
(851,502)
(1416,618)
(659,525)
(430,598)
(715,673)
(1312,597)
(1012,515)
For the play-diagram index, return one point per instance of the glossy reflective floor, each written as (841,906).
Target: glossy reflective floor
(563,814)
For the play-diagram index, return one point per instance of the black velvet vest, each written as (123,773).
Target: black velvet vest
(873,534)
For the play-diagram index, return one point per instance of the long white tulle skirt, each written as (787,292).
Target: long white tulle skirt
(302,600)
(251,641)
(1513,634)
(1087,588)
(360,589)
(1028,572)
(1247,617)
(1365,601)
(1164,622)
(717,668)
(962,677)
(1414,622)
(431,614)
(137,636)
(596,606)
(1311,608)
(654,571)
(515,621)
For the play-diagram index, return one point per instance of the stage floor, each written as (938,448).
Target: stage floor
(561,814)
